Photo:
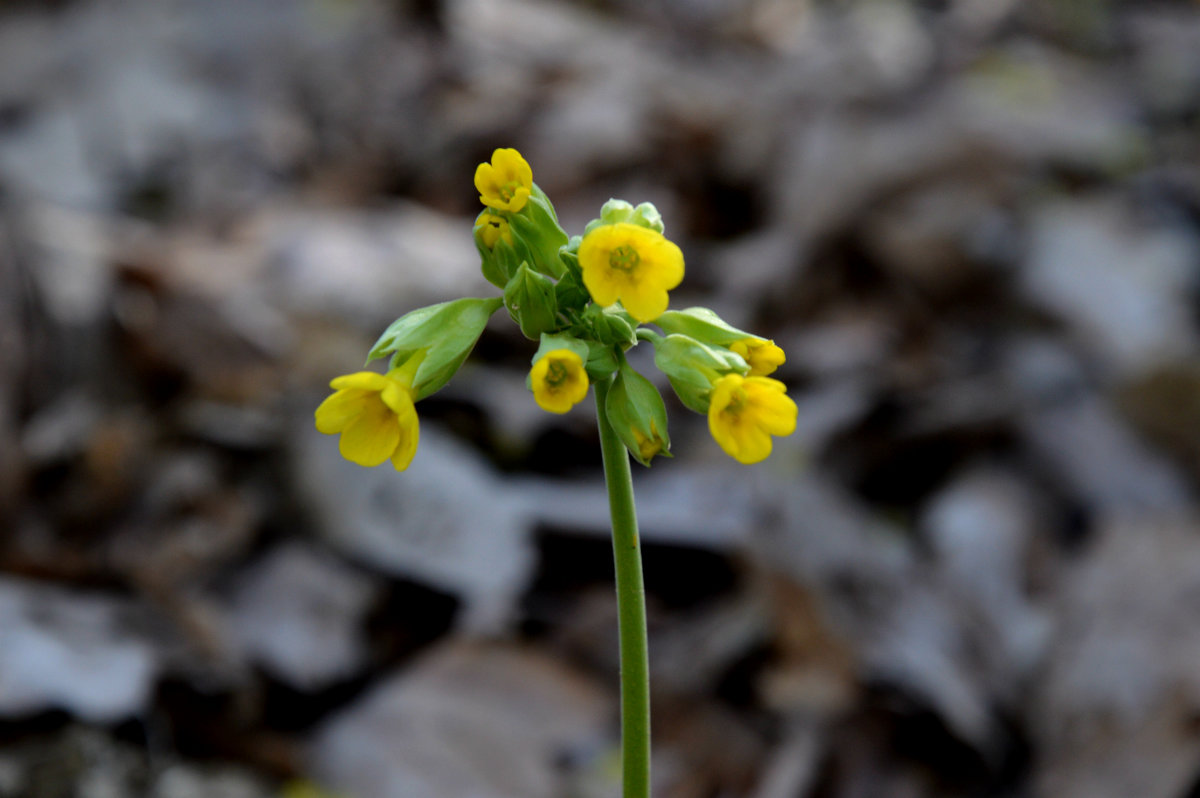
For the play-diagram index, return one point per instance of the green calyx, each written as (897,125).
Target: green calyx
(692,367)
(703,325)
(636,411)
(445,332)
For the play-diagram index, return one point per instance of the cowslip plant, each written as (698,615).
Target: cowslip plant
(584,299)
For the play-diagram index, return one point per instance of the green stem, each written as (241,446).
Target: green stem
(631,608)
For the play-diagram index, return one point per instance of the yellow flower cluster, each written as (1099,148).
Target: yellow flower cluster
(585,299)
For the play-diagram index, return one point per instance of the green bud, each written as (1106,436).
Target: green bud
(494,240)
(529,297)
(637,414)
(617,211)
(445,332)
(611,325)
(537,235)
(693,367)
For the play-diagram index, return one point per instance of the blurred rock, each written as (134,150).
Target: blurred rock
(192,781)
(1119,285)
(1095,457)
(1164,404)
(1167,52)
(981,528)
(1115,714)
(369,268)
(299,613)
(470,720)
(72,650)
(935,237)
(447,520)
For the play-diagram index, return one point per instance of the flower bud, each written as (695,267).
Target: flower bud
(610,325)
(537,235)
(494,240)
(760,354)
(617,211)
(529,297)
(637,414)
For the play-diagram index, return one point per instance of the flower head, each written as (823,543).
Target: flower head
(632,264)
(761,355)
(506,182)
(559,380)
(492,228)
(375,415)
(744,412)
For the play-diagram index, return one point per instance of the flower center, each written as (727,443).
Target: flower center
(624,258)
(509,190)
(737,403)
(556,374)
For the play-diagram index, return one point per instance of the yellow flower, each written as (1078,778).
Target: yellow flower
(744,412)
(494,228)
(505,183)
(375,415)
(633,264)
(762,355)
(559,380)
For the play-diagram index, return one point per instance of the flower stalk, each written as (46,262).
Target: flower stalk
(631,607)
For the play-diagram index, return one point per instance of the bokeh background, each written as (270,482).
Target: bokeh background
(974,226)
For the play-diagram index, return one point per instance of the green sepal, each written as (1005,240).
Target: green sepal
(549,343)
(693,367)
(702,324)
(537,235)
(446,332)
(531,301)
(617,211)
(634,406)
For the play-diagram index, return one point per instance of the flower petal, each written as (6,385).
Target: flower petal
(339,409)
(371,438)
(407,447)
(363,380)
(645,303)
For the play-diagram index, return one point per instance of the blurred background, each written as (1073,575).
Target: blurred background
(974,226)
